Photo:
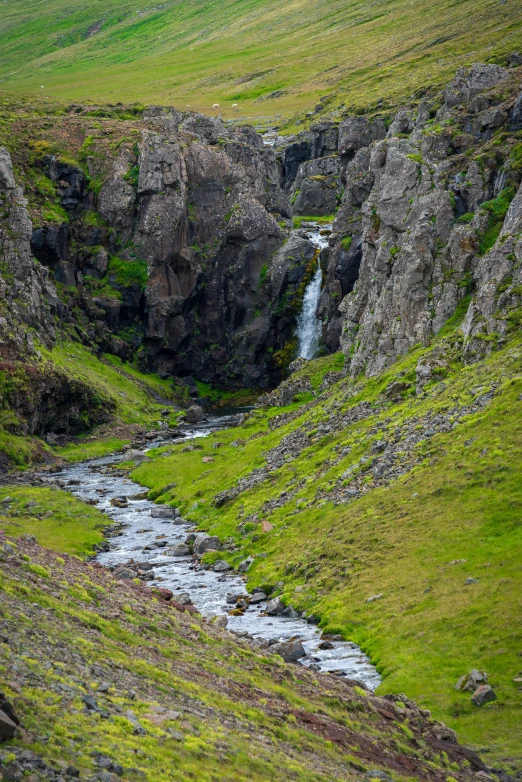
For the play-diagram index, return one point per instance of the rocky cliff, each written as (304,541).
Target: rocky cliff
(165,245)
(429,217)
(168,238)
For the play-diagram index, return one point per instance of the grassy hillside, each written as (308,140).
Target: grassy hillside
(102,674)
(133,400)
(200,52)
(344,532)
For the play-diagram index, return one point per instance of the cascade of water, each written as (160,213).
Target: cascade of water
(500,182)
(308,324)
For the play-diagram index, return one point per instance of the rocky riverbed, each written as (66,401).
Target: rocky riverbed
(154,543)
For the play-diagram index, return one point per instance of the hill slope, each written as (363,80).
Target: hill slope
(375,489)
(267,58)
(108,681)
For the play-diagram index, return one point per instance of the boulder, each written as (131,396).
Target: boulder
(245,564)
(195,414)
(471,681)
(483,695)
(7,727)
(181,550)
(165,594)
(288,650)
(164,513)
(275,607)
(258,597)
(204,542)
(221,566)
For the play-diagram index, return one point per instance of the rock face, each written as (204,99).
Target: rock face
(424,223)
(28,296)
(182,256)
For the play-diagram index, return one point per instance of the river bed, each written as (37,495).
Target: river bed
(135,528)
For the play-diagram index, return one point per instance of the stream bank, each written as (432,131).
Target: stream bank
(154,535)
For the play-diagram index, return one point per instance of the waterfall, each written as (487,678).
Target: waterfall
(308,324)
(500,182)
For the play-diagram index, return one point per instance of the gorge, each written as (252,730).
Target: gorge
(346,294)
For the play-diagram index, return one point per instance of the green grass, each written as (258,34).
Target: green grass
(237,714)
(90,447)
(188,53)
(496,210)
(58,521)
(429,628)
(134,402)
(324,220)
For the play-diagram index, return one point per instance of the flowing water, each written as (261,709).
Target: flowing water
(135,528)
(309,326)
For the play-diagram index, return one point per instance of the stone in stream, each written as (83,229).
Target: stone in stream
(257,597)
(221,566)
(204,542)
(275,607)
(195,414)
(234,597)
(141,495)
(119,502)
(165,513)
(291,613)
(181,550)
(326,645)
(288,650)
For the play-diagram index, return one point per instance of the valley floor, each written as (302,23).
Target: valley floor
(403,488)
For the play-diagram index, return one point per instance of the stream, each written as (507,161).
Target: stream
(136,528)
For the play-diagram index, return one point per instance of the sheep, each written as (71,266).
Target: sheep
(215,106)
(234,105)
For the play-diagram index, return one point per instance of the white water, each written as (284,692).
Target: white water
(309,326)
(136,528)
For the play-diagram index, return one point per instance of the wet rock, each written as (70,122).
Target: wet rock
(291,613)
(288,650)
(326,645)
(164,513)
(181,550)
(275,607)
(258,597)
(221,566)
(233,597)
(482,695)
(195,414)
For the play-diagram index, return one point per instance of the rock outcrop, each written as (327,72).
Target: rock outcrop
(176,249)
